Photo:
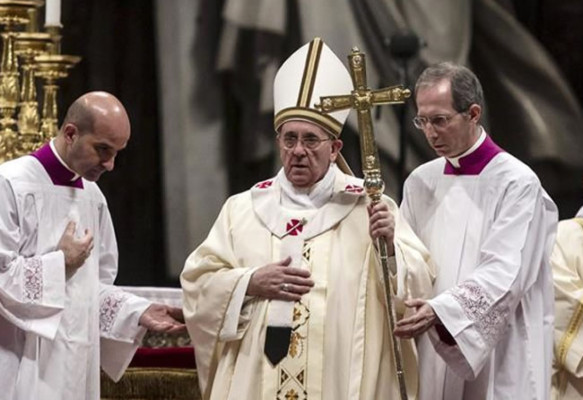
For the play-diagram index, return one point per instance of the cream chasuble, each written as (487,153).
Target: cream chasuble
(340,347)
(567,262)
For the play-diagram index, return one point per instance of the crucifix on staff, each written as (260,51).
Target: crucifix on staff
(363,99)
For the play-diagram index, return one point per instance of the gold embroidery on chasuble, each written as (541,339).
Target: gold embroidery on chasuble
(568,337)
(292,370)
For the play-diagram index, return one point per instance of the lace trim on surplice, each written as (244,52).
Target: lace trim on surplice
(109,310)
(479,307)
(33,280)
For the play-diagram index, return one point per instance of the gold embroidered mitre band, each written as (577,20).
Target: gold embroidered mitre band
(312,71)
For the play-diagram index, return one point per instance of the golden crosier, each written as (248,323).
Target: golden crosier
(362,99)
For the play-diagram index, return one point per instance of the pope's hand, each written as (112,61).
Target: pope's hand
(382,224)
(280,281)
(163,318)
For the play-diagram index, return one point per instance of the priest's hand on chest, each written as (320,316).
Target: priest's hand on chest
(75,249)
(382,224)
(279,281)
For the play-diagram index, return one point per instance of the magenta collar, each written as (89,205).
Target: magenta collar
(476,161)
(60,175)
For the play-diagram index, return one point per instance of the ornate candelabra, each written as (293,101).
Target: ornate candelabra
(28,46)
(28,53)
(13,15)
(51,68)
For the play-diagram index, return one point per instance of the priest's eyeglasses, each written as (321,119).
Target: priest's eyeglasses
(437,121)
(310,142)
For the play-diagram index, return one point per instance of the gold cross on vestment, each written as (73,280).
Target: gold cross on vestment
(362,99)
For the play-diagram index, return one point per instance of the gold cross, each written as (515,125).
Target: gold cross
(362,99)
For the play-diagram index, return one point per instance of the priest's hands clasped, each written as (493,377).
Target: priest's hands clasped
(279,281)
(382,224)
(76,250)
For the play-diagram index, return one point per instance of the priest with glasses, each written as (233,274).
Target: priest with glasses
(487,331)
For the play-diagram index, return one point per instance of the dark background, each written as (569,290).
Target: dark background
(117,40)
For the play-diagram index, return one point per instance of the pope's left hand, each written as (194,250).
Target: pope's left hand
(163,318)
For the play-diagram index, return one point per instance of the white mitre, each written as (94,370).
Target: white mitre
(312,71)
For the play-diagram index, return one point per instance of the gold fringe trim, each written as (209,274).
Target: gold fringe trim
(152,384)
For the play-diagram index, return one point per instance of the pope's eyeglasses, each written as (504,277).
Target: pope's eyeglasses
(310,142)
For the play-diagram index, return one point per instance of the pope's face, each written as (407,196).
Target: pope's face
(303,163)
(459,132)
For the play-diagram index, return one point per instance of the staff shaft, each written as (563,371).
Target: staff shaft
(362,99)
(374,186)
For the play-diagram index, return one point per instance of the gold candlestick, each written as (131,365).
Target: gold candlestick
(39,54)
(56,36)
(13,15)
(28,45)
(51,68)
(8,95)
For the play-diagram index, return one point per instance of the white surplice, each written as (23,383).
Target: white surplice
(490,235)
(340,347)
(567,262)
(51,324)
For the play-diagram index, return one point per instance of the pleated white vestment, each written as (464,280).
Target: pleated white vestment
(56,328)
(489,227)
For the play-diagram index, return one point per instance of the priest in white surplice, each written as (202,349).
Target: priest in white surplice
(283,299)
(58,261)
(489,227)
(567,262)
